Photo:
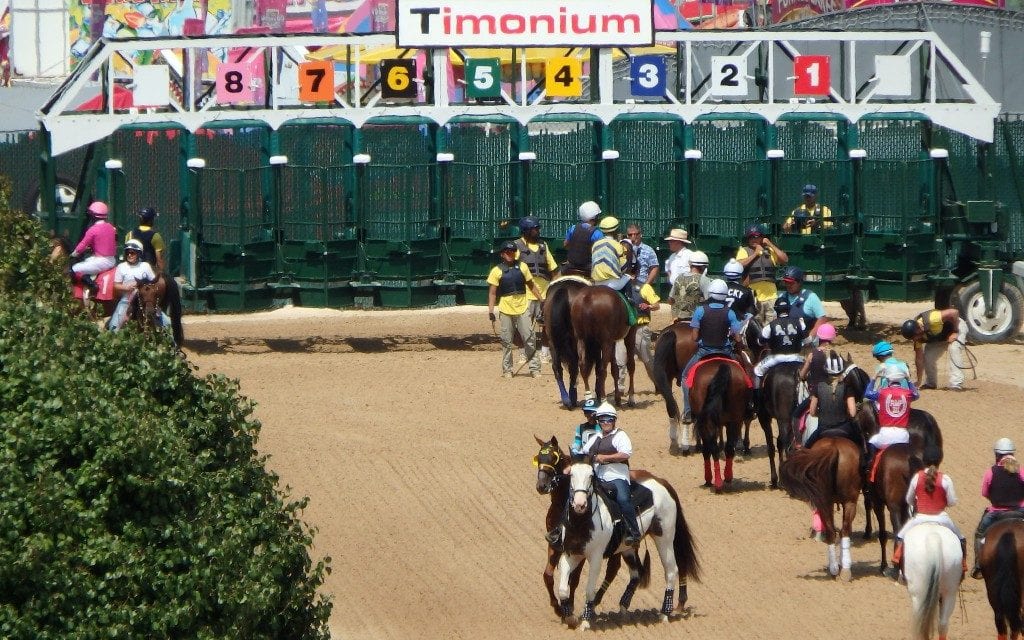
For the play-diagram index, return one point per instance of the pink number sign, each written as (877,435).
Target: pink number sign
(235,83)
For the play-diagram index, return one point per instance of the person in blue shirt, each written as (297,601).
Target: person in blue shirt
(802,302)
(647,265)
(715,325)
(883,352)
(587,429)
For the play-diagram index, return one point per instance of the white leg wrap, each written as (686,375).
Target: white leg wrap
(673,431)
(847,561)
(833,563)
(687,435)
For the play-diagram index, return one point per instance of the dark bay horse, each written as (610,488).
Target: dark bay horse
(153,297)
(828,474)
(719,398)
(560,335)
(1002,565)
(599,320)
(672,350)
(779,393)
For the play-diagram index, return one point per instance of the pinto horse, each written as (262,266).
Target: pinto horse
(153,297)
(933,566)
(718,398)
(560,335)
(599,320)
(1002,564)
(828,474)
(672,350)
(590,530)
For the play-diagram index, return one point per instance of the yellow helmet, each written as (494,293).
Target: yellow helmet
(609,224)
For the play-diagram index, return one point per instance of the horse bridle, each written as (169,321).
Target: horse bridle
(551,468)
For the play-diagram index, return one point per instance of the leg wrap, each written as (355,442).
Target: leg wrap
(627,595)
(847,561)
(668,604)
(588,611)
(566,608)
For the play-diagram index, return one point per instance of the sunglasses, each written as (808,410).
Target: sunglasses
(633,233)
(606,420)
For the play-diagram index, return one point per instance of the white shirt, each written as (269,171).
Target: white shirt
(946,483)
(126,273)
(677,264)
(615,470)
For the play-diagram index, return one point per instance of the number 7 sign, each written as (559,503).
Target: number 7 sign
(812,76)
(316,81)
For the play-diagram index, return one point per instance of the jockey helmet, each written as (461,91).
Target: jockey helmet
(754,230)
(718,290)
(508,246)
(98,210)
(909,329)
(590,405)
(606,409)
(881,349)
(589,210)
(782,306)
(699,259)
(1005,447)
(610,224)
(796,274)
(733,270)
(895,373)
(529,222)
(834,364)
(133,245)
(147,213)
(826,332)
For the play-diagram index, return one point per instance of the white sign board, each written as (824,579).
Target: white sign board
(524,23)
(728,76)
(893,74)
(152,86)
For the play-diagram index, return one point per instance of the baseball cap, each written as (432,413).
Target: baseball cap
(810,190)
(508,246)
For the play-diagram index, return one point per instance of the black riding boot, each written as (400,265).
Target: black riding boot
(976,571)
(632,532)
(90,281)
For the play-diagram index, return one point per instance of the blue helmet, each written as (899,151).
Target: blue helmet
(881,349)
(529,222)
(590,405)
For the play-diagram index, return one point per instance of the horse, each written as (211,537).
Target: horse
(590,531)
(828,474)
(560,336)
(779,393)
(101,302)
(599,320)
(1002,564)
(933,569)
(719,397)
(153,297)
(672,350)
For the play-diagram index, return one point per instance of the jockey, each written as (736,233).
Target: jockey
(813,370)
(1003,485)
(783,335)
(126,279)
(611,451)
(608,256)
(833,405)
(582,435)
(883,352)
(893,404)
(580,238)
(152,241)
(715,325)
(101,239)
(690,290)
(929,493)
(740,298)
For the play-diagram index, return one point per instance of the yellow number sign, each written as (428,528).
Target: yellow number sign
(398,77)
(563,77)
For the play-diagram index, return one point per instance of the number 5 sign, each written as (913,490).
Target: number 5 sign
(812,76)
(483,78)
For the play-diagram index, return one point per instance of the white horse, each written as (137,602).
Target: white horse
(589,530)
(932,564)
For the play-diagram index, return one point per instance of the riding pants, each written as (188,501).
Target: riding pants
(889,435)
(642,348)
(120,315)
(94,265)
(702,352)
(626,508)
(762,367)
(940,518)
(957,358)
(524,326)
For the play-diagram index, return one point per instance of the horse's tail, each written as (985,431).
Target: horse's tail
(559,327)
(810,475)
(683,543)
(645,571)
(664,362)
(1006,583)
(926,606)
(714,399)
(172,307)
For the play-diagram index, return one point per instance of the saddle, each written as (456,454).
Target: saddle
(642,499)
(104,286)
(716,358)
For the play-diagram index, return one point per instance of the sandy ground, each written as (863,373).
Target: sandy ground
(416,455)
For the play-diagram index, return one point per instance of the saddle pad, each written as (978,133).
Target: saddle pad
(630,309)
(875,463)
(571,277)
(104,286)
(700,363)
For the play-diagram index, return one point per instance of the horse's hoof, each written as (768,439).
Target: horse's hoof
(846,575)
(571,621)
(673,449)
(707,483)
(584,625)
(664,618)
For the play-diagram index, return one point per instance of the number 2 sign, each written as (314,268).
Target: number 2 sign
(812,76)
(728,76)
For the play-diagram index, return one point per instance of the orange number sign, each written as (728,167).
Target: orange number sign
(316,81)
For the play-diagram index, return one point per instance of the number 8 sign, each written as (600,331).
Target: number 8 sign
(235,84)
(483,78)
(647,75)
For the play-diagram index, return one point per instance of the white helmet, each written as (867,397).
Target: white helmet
(733,269)
(895,373)
(699,258)
(718,290)
(589,210)
(1004,446)
(834,364)
(606,409)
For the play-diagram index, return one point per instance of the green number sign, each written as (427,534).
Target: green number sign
(483,78)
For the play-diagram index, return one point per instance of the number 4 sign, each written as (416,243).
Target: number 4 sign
(812,76)
(563,77)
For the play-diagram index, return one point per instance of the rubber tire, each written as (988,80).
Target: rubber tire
(66,186)
(972,308)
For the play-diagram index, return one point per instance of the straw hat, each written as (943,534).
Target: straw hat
(679,234)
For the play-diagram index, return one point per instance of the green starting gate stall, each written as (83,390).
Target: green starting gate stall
(395,184)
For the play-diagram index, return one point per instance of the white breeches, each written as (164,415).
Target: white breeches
(941,518)
(890,435)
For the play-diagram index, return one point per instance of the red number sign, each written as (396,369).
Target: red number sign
(812,76)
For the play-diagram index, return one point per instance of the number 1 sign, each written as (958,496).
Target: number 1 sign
(812,76)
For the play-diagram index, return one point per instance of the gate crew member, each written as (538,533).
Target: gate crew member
(534,253)
(802,302)
(759,258)
(678,263)
(579,240)
(510,280)
(932,333)
(808,216)
(152,241)
(646,260)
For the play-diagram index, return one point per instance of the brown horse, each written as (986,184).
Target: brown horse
(828,474)
(98,304)
(1002,564)
(719,398)
(153,298)
(672,350)
(560,335)
(599,320)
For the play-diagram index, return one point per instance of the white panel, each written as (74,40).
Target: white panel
(53,40)
(893,73)
(152,86)
(728,76)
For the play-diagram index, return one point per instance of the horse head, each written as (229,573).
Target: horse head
(855,379)
(581,485)
(550,462)
(149,295)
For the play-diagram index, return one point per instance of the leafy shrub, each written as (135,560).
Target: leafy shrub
(133,503)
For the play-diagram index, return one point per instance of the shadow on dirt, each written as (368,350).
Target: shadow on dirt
(341,344)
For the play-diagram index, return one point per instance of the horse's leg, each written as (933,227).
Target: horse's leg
(765,421)
(607,356)
(631,363)
(879,509)
(869,508)
(634,579)
(594,560)
(732,430)
(614,563)
(556,369)
(667,553)
(567,564)
(585,366)
(849,511)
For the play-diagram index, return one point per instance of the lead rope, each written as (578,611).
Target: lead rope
(972,361)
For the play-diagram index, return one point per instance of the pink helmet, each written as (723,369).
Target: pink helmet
(98,210)
(826,332)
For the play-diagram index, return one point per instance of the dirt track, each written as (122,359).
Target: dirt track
(416,455)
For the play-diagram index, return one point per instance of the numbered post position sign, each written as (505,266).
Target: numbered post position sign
(236,83)
(563,77)
(316,81)
(483,78)
(398,78)
(812,76)
(648,76)
(728,76)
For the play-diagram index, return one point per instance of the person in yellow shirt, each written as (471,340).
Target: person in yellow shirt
(808,216)
(608,256)
(759,258)
(642,341)
(509,282)
(152,241)
(534,253)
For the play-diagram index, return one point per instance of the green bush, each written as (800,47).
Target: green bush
(133,502)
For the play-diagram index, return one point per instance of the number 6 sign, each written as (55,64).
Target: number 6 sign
(812,76)
(398,78)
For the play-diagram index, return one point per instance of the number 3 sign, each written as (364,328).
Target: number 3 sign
(812,76)
(648,74)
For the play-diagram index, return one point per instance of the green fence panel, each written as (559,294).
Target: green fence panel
(19,161)
(1007,183)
